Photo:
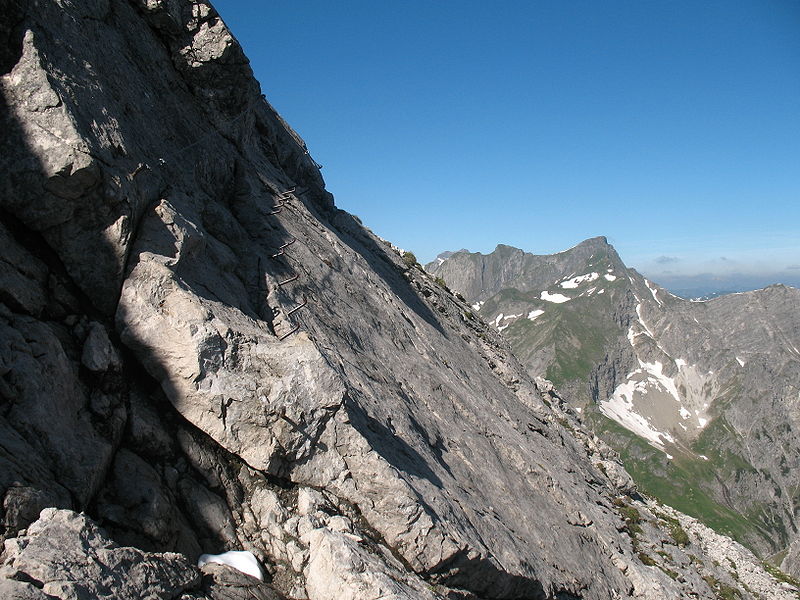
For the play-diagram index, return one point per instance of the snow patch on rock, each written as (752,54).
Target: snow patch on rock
(620,408)
(576,281)
(241,560)
(653,291)
(557,298)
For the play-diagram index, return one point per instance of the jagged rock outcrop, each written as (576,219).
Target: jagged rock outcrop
(715,385)
(64,555)
(203,354)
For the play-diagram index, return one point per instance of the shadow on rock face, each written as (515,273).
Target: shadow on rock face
(390,446)
(475,574)
(10,33)
(66,393)
(51,452)
(351,233)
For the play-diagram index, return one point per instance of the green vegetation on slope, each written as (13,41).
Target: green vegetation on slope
(583,328)
(685,482)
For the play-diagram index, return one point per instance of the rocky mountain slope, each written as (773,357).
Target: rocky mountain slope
(202,354)
(715,386)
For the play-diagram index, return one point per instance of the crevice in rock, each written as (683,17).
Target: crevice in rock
(37,246)
(23,577)
(11,33)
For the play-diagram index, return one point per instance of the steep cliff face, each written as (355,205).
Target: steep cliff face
(203,354)
(712,385)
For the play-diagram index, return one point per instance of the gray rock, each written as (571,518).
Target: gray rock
(46,406)
(224,583)
(23,278)
(791,563)
(137,506)
(22,506)
(67,557)
(99,354)
(296,389)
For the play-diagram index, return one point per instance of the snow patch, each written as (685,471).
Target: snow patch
(653,291)
(679,362)
(601,292)
(685,414)
(610,277)
(702,422)
(740,361)
(669,456)
(655,370)
(641,321)
(620,409)
(576,281)
(500,317)
(558,298)
(703,456)
(241,560)
(477,305)
(535,313)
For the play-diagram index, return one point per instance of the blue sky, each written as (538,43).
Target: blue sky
(672,128)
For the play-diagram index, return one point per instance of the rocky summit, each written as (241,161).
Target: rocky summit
(701,398)
(202,355)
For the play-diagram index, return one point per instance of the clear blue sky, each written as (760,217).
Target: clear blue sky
(672,127)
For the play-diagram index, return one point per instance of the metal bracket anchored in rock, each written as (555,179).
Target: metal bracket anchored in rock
(298,307)
(282,249)
(284,282)
(286,335)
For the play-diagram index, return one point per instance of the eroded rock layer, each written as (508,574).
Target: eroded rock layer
(203,354)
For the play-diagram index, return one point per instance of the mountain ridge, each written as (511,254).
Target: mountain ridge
(662,367)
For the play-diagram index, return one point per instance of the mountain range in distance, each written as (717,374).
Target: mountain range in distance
(701,398)
(707,285)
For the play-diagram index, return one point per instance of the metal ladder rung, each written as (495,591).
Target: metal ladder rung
(282,283)
(298,307)
(285,335)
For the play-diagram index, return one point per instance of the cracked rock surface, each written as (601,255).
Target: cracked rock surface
(204,354)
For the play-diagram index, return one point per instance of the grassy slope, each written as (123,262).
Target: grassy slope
(686,482)
(583,327)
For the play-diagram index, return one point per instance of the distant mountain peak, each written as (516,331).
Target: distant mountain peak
(443,256)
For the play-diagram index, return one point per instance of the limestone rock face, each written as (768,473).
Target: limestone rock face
(64,555)
(204,354)
(791,564)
